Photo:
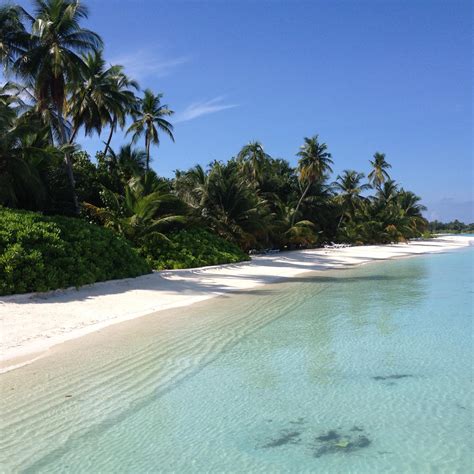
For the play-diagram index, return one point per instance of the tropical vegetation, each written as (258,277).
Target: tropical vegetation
(39,253)
(59,87)
(453,227)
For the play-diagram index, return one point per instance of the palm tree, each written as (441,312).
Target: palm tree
(51,58)
(128,162)
(388,192)
(97,97)
(253,159)
(191,186)
(410,203)
(350,187)
(411,208)
(10,103)
(149,119)
(379,173)
(145,210)
(14,39)
(224,200)
(26,155)
(314,163)
(285,232)
(127,102)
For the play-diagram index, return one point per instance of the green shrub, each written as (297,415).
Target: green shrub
(40,253)
(189,248)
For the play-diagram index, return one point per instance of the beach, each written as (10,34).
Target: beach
(33,323)
(377,355)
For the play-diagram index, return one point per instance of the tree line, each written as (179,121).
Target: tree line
(455,227)
(60,86)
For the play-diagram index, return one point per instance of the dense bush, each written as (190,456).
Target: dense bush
(39,253)
(188,248)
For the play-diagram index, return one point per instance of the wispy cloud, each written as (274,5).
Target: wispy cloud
(206,107)
(143,64)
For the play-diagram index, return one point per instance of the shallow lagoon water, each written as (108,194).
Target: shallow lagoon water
(361,370)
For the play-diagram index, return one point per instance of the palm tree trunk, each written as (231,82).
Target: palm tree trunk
(147,145)
(73,136)
(299,203)
(68,162)
(107,145)
(76,128)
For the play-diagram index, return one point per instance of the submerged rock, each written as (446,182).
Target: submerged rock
(334,442)
(329,436)
(329,442)
(392,377)
(362,442)
(286,437)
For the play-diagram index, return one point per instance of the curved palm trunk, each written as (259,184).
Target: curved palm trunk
(112,128)
(67,161)
(351,211)
(299,203)
(340,222)
(73,136)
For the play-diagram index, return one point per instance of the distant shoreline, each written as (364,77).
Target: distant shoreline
(33,323)
(453,232)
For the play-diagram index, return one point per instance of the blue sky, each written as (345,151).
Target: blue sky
(372,75)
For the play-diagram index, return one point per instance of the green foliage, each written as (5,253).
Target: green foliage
(392,216)
(224,200)
(454,227)
(39,253)
(147,207)
(189,248)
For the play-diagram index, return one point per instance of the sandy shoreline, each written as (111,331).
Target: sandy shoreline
(33,323)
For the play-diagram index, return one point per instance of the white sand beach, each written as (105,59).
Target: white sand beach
(33,323)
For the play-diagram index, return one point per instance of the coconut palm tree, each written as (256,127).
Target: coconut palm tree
(87,106)
(314,163)
(127,163)
(14,38)
(145,210)
(284,232)
(253,158)
(387,193)
(231,207)
(10,104)
(409,204)
(26,156)
(127,102)
(97,97)
(379,173)
(149,119)
(350,187)
(191,186)
(51,58)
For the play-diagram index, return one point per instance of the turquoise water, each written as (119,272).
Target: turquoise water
(365,370)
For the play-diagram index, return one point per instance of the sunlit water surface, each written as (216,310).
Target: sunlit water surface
(365,370)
